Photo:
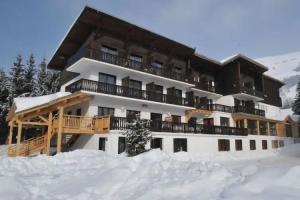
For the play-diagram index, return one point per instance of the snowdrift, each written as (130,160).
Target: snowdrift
(86,174)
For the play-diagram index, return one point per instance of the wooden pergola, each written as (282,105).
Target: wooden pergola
(42,115)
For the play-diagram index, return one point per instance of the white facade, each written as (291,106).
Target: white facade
(197,144)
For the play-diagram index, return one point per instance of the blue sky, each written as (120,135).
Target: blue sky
(216,28)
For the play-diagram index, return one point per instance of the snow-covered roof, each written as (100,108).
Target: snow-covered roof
(284,113)
(236,56)
(25,103)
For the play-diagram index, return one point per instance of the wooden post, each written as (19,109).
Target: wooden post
(257,125)
(11,131)
(19,138)
(59,133)
(268,128)
(245,123)
(49,132)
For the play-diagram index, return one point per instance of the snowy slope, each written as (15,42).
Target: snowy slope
(89,175)
(286,68)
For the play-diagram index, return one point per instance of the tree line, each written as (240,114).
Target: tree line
(24,79)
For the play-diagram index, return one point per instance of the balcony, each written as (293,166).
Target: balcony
(251,91)
(252,111)
(214,107)
(129,64)
(105,88)
(119,123)
(205,87)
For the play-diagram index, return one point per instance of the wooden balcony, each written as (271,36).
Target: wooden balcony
(99,87)
(99,55)
(83,125)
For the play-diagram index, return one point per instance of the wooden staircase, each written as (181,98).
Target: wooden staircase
(29,147)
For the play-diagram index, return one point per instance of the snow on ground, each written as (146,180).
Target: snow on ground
(86,174)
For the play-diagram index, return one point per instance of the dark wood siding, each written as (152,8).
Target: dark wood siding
(271,91)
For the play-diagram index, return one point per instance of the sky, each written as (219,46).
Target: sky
(216,28)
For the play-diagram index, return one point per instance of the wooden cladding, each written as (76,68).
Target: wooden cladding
(271,91)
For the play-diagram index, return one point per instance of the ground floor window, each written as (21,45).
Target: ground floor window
(238,145)
(121,145)
(224,145)
(274,144)
(156,143)
(252,145)
(264,144)
(104,111)
(102,143)
(180,144)
(281,143)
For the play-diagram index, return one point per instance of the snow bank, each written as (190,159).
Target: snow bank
(86,174)
(24,103)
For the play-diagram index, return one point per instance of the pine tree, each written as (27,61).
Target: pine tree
(137,135)
(29,84)
(16,79)
(4,105)
(296,104)
(41,88)
(52,82)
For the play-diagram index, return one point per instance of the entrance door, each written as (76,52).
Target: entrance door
(156,121)
(180,144)
(121,145)
(156,143)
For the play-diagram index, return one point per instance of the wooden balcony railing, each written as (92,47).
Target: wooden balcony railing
(97,54)
(119,123)
(99,87)
(28,147)
(83,124)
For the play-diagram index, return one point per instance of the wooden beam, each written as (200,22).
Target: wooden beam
(43,118)
(19,138)
(257,125)
(11,131)
(35,123)
(60,127)
(49,132)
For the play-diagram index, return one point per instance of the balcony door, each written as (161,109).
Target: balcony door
(156,121)
(135,88)
(107,83)
(135,61)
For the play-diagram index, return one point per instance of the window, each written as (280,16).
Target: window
(109,50)
(78,112)
(288,130)
(224,145)
(136,58)
(107,78)
(180,144)
(156,143)
(281,143)
(252,127)
(133,114)
(157,64)
(178,93)
(104,111)
(102,143)
(252,145)
(272,128)
(264,144)
(135,84)
(69,113)
(176,118)
(262,128)
(224,121)
(238,145)
(121,145)
(208,121)
(274,144)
